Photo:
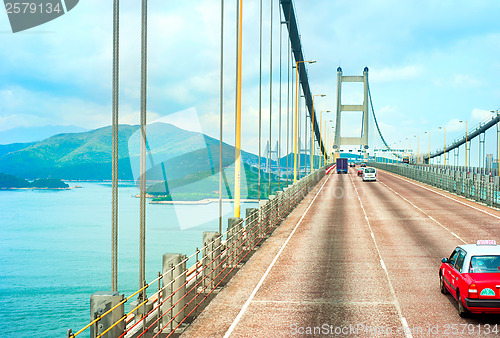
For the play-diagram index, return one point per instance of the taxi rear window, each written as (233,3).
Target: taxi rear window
(369,170)
(485,264)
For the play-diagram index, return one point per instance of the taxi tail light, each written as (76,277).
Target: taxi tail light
(472,291)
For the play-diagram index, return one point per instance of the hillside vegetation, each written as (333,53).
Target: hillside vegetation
(87,156)
(13,182)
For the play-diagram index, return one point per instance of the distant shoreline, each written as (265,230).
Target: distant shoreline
(32,188)
(203,201)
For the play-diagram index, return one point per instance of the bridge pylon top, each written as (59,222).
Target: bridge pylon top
(361,140)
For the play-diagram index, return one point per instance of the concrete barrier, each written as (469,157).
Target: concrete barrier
(211,259)
(100,303)
(173,270)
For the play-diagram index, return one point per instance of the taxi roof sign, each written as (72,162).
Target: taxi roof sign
(486,242)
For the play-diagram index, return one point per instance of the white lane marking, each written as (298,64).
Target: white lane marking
(426,214)
(308,302)
(396,302)
(406,327)
(448,197)
(259,284)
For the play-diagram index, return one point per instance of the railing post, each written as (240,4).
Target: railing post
(279,207)
(272,211)
(211,252)
(101,302)
(251,226)
(495,191)
(176,275)
(234,239)
(263,221)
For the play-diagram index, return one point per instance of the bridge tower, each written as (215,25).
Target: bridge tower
(363,139)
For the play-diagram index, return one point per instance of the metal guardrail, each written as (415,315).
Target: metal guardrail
(470,183)
(181,293)
(482,127)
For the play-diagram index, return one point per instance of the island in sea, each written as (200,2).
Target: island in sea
(13,182)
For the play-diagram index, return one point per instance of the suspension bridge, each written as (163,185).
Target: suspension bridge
(323,253)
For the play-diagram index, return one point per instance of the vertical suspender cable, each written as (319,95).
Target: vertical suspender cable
(114,179)
(142,240)
(299,127)
(237,147)
(279,115)
(294,122)
(305,137)
(289,53)
(270,93)
(221,108)
(260,93)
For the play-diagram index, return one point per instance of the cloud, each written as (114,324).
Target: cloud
(455,125)
(458,81)
(480,115)
(396,74)
(48,108)
(65,75)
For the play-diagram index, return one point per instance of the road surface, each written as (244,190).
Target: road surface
(356,259)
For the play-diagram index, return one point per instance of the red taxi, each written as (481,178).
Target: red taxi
(472,276)
(360,171)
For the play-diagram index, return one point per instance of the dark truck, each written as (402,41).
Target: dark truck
(341,165)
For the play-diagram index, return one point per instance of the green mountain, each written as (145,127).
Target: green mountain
(172,153)
(8,148)
(82,156)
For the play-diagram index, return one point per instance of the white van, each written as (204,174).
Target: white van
(369,174)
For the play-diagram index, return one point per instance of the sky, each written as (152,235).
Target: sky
(431,64)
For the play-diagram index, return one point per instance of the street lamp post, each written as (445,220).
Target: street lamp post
(329,139)
(429,158)
(418,148)
(296,116)
(393,154)
(312,133)
(409,149)
(321,129)
(444,146)
(237,147)
(498,136)
(465,142)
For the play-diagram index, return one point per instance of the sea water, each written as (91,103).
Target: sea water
(55,251)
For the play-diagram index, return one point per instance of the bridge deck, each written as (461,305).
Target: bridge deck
(333,275)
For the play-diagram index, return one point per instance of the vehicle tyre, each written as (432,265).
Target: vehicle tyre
(444,291)
(462,311)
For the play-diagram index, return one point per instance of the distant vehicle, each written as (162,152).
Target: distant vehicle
(360,171)
(363,164)
(369,174)
(472,276)
(341,165)
(406,159)
(352,164)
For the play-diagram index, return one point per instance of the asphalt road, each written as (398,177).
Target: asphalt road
(356,259)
